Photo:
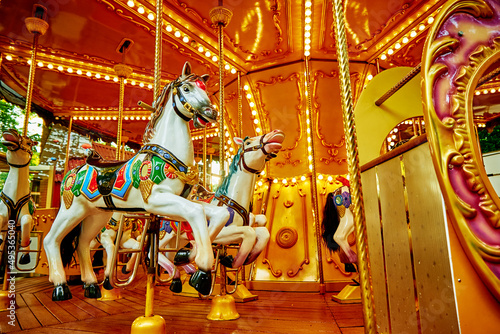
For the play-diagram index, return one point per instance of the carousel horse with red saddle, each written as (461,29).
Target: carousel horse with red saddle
(16,205)
(156,180)
(235,194)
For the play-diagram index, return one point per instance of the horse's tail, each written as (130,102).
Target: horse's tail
(69,245)
(330,223)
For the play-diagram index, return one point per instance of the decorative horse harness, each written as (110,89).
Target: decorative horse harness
(14,209)
(230,203)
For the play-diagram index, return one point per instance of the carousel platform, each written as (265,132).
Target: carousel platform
(273,312)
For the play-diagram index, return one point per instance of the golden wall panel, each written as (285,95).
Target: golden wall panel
(375,249)
(438,312)
(399,270)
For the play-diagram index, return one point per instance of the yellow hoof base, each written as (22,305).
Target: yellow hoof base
(113,294)
(149,325)
(223,308)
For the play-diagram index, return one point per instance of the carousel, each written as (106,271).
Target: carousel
(236,166)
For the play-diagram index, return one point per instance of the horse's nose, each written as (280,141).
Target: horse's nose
(210,111)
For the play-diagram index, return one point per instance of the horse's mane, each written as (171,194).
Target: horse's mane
(232,169)
(330,223)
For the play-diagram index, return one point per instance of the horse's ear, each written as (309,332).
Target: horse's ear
(238,140)
(205,77)
(186,70)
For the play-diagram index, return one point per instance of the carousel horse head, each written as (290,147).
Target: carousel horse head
(189,101)
(19,148)
(255,151)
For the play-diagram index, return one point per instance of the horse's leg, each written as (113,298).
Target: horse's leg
(133,244)
(346,227)
(108,242)
(64,222)
(237,234)
(91,226)
(164,203)
(262,240)
(218,217)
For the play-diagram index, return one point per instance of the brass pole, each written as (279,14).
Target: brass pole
(353,163)
(240,116)
(205,158)
(31,81)
(413,73)
(68,144)
(120,120)
(314,188)
(158,39)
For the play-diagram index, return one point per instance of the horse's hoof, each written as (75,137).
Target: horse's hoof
(176,285)
(61,292)
(92,290)
(25,258)
(349,268)
(227,261)
(107,284)
(202,282)
(182,256)
(125,271)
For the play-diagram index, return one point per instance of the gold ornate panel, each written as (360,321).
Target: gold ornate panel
(461,48)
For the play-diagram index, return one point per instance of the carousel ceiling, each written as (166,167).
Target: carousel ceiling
(265,44)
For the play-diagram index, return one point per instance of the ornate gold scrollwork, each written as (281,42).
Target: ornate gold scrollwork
(472,203)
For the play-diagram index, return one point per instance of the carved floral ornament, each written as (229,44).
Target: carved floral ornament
(460,48)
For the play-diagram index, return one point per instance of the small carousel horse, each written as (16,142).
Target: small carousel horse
(236,193)
(338,222)
(16,204)
(154,180)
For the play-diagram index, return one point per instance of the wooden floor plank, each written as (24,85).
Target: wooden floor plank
(41,313)
(55,308)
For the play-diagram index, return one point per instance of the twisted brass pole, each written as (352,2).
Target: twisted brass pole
(353,163)
(222,151)
(158,38)
(205,157)
(240,116)
(314,187)
(68,144)
(31,81)
(414,72)
(120,120)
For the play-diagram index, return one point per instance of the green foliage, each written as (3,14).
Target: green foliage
(489,142)
(8,119)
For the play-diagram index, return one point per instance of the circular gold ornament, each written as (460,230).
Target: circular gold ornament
(286,237)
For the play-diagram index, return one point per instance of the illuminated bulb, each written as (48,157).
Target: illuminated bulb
(421,27)
(79,72)
(207,54)
(143,118)
(485,91)
(8,57)
(130,3)
(200,48)
(29,61)
(308,12)
(125,81)
(383,57)
(132,118)
(308,41)
(106,77)
(140,10)
(169,28)
(330,178)
(294,180)
(307,53)
(256,121)
(302,178)
(260,183)
(86,118)
(70,70)
(369,77)
(60,68)
(397,46)
(430,20)
(254,112)
(307,34)
(478,93)
(151,16)
(310,167)
(91,118)
(413,34)
(307,47)
(257,130)
(97,75)
(125,118)
(245,87)
(284,181)
(177,33)
(40,64)
(275,181)
(405,39)
(150,86)
(227,67)
(185,39)
(320,177)
(50,66)
(233,70)
(97,118)
(390,51)
(493,90)
(393,136)
(141,84)
(249,96)
(108,118)
(308,4)
(214,58)
(307,27)
(251,104)
(396,130)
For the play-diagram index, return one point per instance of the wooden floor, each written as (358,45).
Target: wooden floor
(273,312)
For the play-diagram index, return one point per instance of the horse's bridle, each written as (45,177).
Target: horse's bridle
(185,104)
(22,148)
(262,147)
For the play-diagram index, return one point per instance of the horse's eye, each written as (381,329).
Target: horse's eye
(185,88)
(247,143)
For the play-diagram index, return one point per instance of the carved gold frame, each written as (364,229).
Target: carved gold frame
(452,65)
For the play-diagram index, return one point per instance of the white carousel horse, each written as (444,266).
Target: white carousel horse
(338,222)
(154,181)
(16,203)
(107,239)
(236,193)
